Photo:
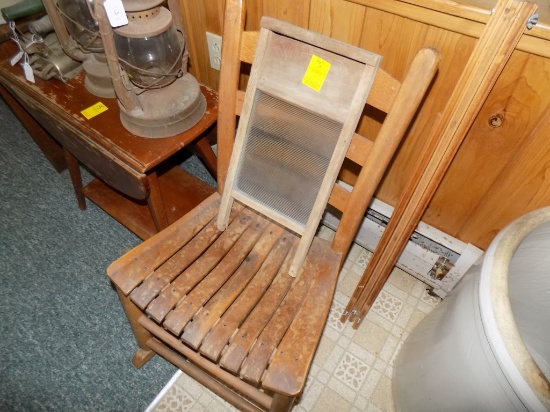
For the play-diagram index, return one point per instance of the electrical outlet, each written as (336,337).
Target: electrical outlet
(214,50)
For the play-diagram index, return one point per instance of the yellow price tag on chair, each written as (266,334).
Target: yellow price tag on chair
(94,110)
(316,73)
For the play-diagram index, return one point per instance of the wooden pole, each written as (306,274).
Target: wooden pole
(229,82)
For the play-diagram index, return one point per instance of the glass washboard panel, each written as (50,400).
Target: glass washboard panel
(285,156)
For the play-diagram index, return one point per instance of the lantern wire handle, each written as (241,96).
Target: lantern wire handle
(68,46)
(93,36)
(128,99)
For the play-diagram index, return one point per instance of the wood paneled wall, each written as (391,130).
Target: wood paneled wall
(502,169)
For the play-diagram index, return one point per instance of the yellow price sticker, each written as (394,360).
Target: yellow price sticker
(94,110)
(316,73)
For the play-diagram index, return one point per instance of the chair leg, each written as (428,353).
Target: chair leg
(281,403)
(142,335)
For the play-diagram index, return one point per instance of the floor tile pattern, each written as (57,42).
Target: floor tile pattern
(352,369)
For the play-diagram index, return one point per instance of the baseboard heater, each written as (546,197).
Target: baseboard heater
(432,256)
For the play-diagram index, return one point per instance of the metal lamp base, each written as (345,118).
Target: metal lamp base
(98,78)
(167,111)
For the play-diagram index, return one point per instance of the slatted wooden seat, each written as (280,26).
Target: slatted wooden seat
(220,304)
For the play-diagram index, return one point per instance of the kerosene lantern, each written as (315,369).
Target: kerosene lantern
(78,33)
(148,63)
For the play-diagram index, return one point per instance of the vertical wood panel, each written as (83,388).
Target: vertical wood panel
(455,50)
(254,13)
(215,9)
(339,19)
(202,16)
(291,11)
(320,16)
(522,186)
(519,96)
(397,38)
(195,29)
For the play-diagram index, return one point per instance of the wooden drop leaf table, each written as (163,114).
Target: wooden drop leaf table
(136,180)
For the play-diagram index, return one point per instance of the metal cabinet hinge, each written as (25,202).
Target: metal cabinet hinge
(534,19)
(440,268)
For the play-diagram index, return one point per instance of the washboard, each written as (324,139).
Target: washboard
(304,98)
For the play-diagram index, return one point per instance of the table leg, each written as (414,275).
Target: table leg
(74,170)
(156,203)
(206,154)
(51,149)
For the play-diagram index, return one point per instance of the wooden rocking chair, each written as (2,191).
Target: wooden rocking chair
(213,292)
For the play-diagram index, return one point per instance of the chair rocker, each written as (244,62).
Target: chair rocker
(237,292)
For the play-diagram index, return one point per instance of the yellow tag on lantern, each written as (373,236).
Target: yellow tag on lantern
(316,73)
(94,110)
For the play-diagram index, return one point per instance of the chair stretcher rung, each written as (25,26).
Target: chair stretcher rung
(231,380)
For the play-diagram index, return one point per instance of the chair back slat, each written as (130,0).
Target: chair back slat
(249,42)
(239,102)
(339,197)
(359,149)
(384,91)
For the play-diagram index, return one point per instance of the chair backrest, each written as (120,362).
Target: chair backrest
(399,100)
